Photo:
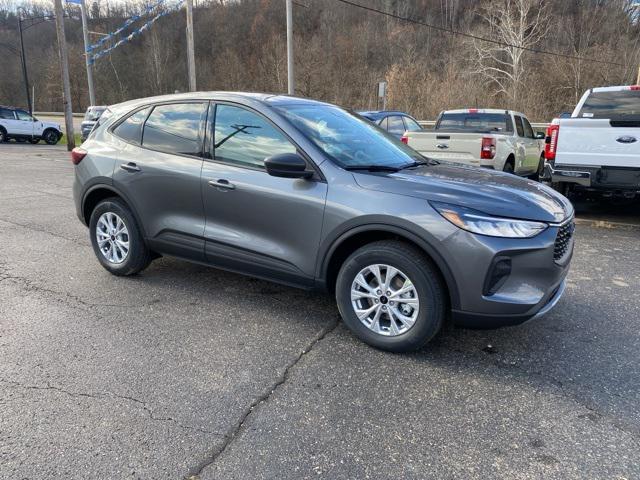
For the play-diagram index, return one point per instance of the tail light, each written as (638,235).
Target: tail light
(551,142)
(634,87)
(405,139)
(488,150)
(77,154)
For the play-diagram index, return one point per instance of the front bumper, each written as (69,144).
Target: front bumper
(533,286)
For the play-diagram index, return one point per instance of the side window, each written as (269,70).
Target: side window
(519,127)
(411,125)
(396,125)
(528,131)
(175,128)
(244,138)
(384,124)
(6,114)
(24,116)
(131,129)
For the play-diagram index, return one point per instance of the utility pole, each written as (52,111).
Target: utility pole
(191,57)
(64,69)
(291,87)
(85,34)
(24,63)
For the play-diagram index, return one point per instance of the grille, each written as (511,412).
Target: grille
(563,241)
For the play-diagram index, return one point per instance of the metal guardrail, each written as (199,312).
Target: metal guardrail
(423,123)
(432,123)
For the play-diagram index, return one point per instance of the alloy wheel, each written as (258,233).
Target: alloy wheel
(113,237)
(385,300)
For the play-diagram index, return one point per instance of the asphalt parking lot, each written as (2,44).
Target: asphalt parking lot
(187,371)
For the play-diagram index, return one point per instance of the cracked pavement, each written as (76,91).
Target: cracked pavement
(189,372)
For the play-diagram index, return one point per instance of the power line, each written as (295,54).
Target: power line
(476,37)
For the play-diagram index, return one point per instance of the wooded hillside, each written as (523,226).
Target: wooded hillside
(341,52)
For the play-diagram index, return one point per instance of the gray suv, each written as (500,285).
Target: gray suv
(306,194)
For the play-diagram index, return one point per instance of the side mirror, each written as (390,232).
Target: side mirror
(287,165)
(539,135)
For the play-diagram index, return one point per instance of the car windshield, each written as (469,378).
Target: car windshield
(348,139)
(93,114)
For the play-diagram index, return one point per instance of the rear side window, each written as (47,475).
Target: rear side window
(475,122)
(396,125)
(519,126)
(175,128)
(131,129)
(245,138)
(6,114)
(622,105)
(411,125)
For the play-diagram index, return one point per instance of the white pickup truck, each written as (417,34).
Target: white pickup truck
(598,148)
(20,125)
(497,139)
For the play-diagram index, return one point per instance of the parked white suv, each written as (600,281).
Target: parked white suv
(490,138)
(21,126)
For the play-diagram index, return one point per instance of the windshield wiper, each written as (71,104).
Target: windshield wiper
(419,163)
(373,168)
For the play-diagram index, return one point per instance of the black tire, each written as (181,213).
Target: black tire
(139,257)
(3,135)
(561,187)
(34,140)
(509,166)
(425,278)
(540,172)
(51,137)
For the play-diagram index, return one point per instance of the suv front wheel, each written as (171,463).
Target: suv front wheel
(116,238)
(390,295)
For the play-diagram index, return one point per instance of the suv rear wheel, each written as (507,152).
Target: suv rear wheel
(116,238)
(390,295)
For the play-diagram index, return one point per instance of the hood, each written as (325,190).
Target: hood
(494,193)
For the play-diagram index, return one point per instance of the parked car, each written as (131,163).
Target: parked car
(22,126)
(91,117)
(304,193)
(396,123)
(496,139)
(598,148)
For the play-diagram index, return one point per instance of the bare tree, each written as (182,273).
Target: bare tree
(517,25)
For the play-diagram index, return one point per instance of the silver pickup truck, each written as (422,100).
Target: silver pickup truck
(496,139)
(598,148)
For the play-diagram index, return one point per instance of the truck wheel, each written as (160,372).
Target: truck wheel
(561,187)
(539,175)
(509,166)
(3,135)
(390,296)
(51,137)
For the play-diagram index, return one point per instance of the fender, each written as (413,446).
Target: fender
(334,240)
(119,193)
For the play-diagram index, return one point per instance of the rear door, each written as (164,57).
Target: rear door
(24,123)
(256,223)
(158,169)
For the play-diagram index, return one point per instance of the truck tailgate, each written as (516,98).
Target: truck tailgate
(449,147)
(598,143)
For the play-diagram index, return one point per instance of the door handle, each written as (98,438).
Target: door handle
(222,183)
(442,146)
(130,167)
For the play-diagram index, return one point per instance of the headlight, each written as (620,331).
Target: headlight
(483,224)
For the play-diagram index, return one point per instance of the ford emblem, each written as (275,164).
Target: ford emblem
(626,139)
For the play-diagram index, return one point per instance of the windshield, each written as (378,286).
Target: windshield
(475,122)
(623,104)
(93,114)
(349,140)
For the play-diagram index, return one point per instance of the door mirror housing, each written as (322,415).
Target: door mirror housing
(539,135)
(287,165)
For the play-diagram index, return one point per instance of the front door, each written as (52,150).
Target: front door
(24,123)
(158,169)
(256,223)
